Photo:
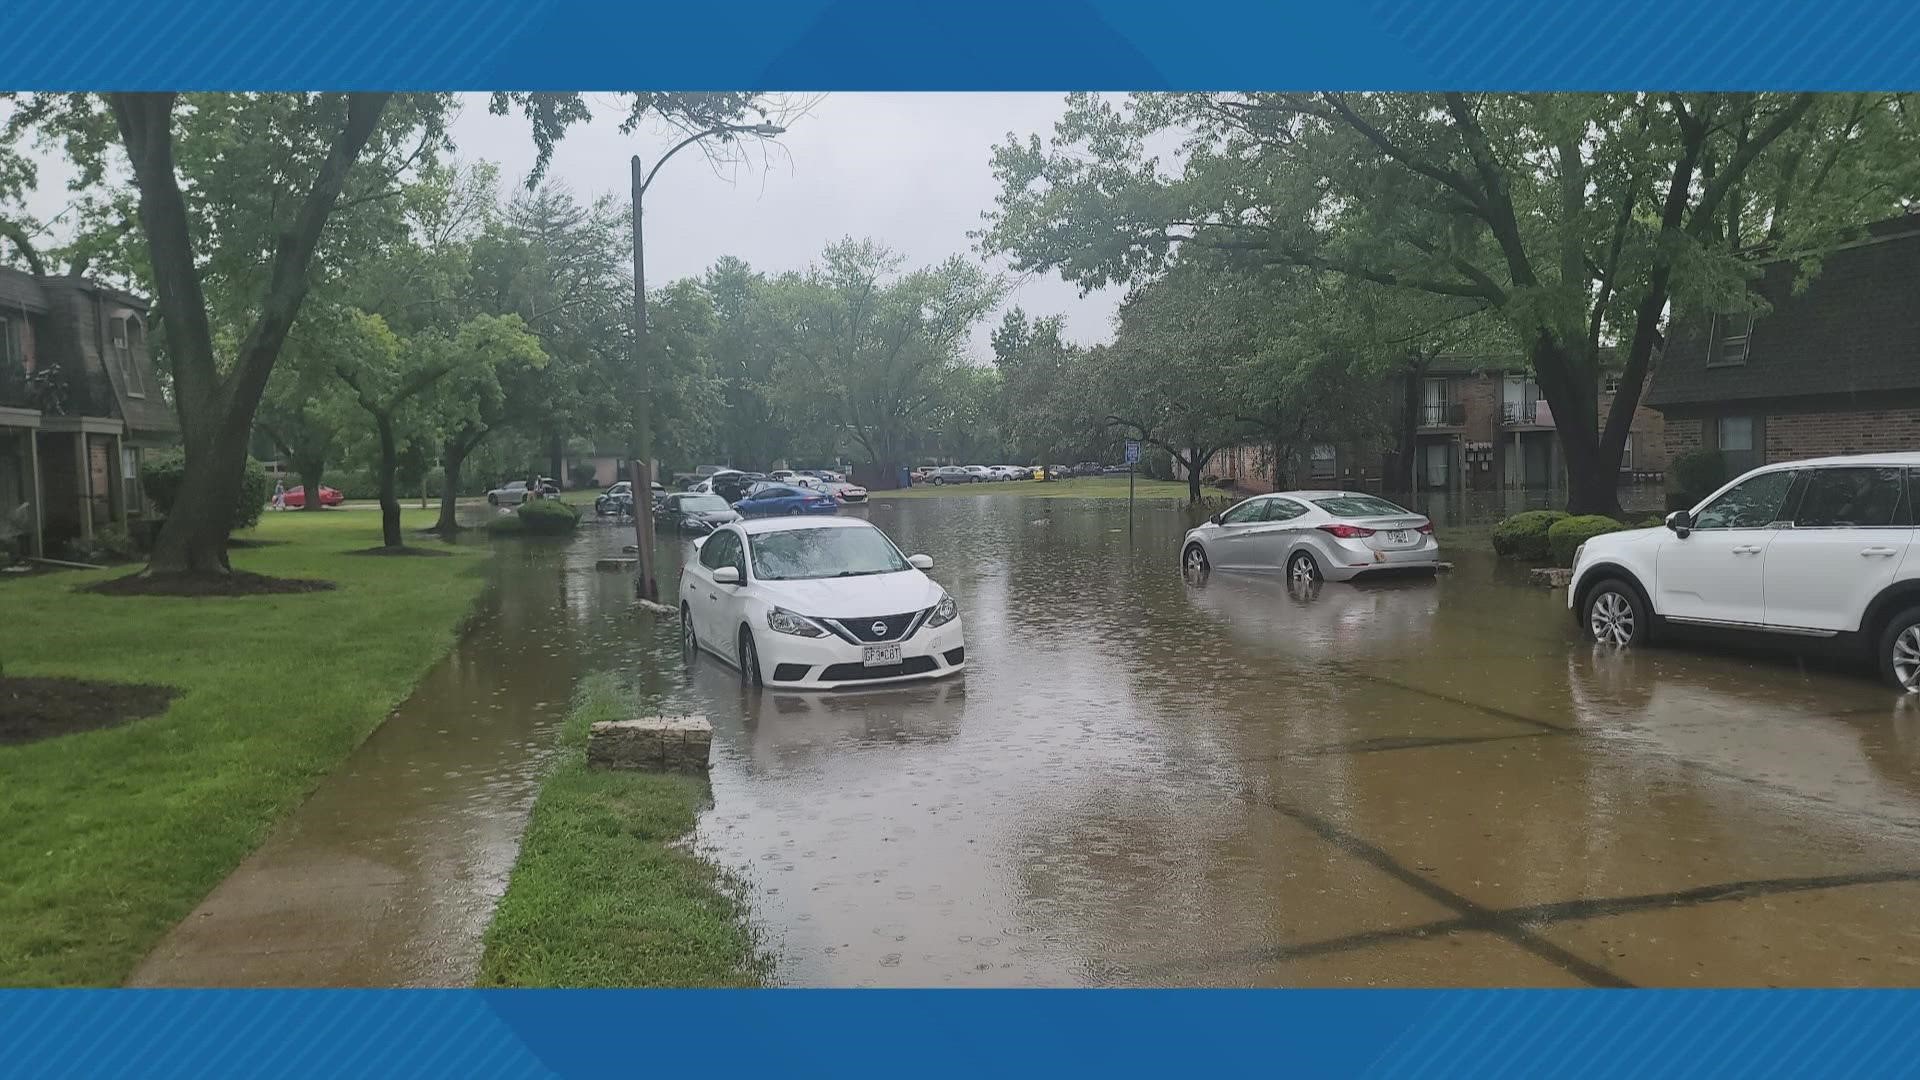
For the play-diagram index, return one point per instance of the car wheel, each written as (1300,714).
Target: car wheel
(1194,561)
(1302,568)
(492,499)
(749,659)
(1613,615)
(689,641)
(1900,651)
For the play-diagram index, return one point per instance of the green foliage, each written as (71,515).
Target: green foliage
(162,472)
(1524,536)
(1698,472)
(110,544)
(547,517)
(1569,533)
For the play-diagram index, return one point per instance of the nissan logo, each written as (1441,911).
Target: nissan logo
(879,628)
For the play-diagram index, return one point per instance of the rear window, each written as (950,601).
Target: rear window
(1360,506)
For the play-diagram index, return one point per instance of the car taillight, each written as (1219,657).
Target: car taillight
(1426,527)
(1346,532)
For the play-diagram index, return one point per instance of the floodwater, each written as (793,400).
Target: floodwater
(1145,781)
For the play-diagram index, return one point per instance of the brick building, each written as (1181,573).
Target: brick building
(79,404)
(1832,368)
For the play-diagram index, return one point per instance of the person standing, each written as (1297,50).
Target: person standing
(279,494)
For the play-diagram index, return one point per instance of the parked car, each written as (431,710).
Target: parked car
(1313,536)
(617,499)
(690,513)
(1818,552)
(514,492)
(785,476)
(731,485)
(951,474)
(1115,470)
(295,497)
(845,492)
(1061,472)
(817,605)
(921,473)
(771,498)
(1087,468)
(979,472)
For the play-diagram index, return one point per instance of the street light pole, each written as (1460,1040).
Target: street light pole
(647,586)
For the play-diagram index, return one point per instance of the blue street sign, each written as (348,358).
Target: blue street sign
(1133,451)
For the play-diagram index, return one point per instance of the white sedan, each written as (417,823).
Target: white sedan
(1313,536)
(817,604)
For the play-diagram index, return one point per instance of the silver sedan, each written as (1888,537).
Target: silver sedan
(1313,536)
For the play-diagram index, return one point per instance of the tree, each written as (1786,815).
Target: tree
(500,363)
(866,349)
(290,159)
(1575,218)
(304,411)
(1045,409)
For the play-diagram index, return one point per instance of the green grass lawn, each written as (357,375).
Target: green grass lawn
(603,894)
(1088,487)
(112,836)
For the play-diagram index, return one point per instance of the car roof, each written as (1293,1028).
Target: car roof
(1323,495)
(756,526)
(1907,458)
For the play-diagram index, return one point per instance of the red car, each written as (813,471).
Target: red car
(296,497)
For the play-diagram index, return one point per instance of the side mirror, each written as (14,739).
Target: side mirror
(1680,522)
(726,575)
(920,562)
(1217,518)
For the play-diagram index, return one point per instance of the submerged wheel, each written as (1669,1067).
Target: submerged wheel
(749,659)
(1194,561)
(689,641)
(1302,568)
(1614,615)
(1900,651)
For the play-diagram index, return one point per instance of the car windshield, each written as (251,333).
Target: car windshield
(1359,506)
(800,554)
(700,504)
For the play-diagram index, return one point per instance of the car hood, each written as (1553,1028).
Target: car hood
(1625,538)
(715,517)
(848,597)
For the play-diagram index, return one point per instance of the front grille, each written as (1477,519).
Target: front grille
(912,665)
(956,657)
(897,626)
(789,672)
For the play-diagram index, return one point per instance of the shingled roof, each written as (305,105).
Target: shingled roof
(1854,328)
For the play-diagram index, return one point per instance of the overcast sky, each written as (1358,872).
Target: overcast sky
(910,170)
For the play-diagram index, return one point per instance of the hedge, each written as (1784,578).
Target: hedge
(1524,536)
(540,517)
(162,472)
(1570,532)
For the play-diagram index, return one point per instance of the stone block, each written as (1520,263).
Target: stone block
(617,564)
(675,743)
(1551,577)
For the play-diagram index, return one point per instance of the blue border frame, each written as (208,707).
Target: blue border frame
(977,45)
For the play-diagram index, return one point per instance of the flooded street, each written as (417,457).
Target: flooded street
(1142,781)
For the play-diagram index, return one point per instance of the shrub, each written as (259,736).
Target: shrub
(547,517)
(162,472)
(1570,532)
(1698,472)
(1524,536)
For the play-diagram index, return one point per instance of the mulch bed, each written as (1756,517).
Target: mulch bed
(32,709)
(236,583)
(399,551)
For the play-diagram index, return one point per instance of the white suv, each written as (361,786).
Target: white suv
(1816,551)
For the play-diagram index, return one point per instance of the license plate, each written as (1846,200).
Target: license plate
(1397,536)
(880,655)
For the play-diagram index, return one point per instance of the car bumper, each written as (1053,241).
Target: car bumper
(1353,559)
(830,663)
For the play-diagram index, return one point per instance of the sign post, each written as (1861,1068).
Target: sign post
(1133,460)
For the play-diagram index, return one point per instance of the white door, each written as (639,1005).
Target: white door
(1433,463)
(1715,572)
(1234,543)
(1268,542)
(1849,534)
(709,601)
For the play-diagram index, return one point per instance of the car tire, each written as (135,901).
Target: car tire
(492,499)
(749,659)
(1612,613)
(1193,561)
(1899,653)
(689,641)
(1303,568)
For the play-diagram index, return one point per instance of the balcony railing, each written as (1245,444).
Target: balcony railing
(1443,415)
(1520,412)
(59,392)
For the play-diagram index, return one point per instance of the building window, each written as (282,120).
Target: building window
(1435,408)
(1322,461)
(124,333)
(130,479)
(1736,437)
(1731,340)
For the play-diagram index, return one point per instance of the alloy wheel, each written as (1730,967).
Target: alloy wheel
(1611,619)
(1906,658)
(1196,560)
(1302,569)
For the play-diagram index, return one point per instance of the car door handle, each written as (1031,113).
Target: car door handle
(1746,549)
(1877,552)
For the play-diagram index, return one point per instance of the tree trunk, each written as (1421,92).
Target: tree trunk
(1571,388)
(557,460)
(450,463)
(310,485)
(389,495)
(1413,397)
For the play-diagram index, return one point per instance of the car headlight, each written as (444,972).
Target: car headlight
(782,621)
(944,611)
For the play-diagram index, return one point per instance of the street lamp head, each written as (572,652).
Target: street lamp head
(766,129)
